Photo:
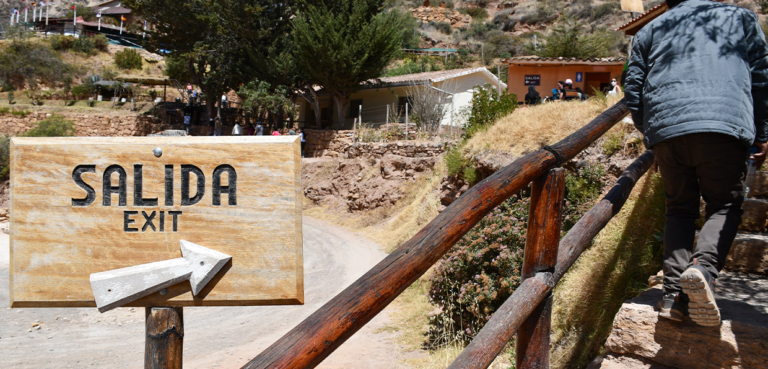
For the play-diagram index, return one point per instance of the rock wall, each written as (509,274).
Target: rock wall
(430,14)
(340,144)
(88,125)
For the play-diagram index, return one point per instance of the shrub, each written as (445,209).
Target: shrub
(475,13)
(443,27)
(83,44)
(545,12)
(483,269)
(604,10)
(5,156)
(80,91)
(53,126)
(61,42)
(20,113)
(613,142)
(100,42)
(176,67)
(479,273)
(568,40)
(455,161)
(24,61)
(128,59)
(487,107)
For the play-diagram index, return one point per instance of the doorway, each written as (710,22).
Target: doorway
(597,81)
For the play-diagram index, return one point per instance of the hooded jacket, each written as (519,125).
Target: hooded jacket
(700,67)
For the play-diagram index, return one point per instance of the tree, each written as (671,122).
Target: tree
(430,105)
(214,37)
(259,96)
(340,46)
(568,40)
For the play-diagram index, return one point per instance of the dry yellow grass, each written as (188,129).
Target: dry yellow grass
(531,127)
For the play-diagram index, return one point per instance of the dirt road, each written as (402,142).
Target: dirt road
(225,337)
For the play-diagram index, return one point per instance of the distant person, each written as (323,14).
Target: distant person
(697,87)
(275,133)
(249,129)
(218,126)
(532,97)
(237,130)
(582,95)
(303,141)
(224,101)
(568,84)
(189,89)
(187,123)
(292,132)
(259,129)
(211,127)
(616,88)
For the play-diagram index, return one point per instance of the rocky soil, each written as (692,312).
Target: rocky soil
(362,183)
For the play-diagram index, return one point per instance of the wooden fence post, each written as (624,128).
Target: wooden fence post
(544,218)
(164,337)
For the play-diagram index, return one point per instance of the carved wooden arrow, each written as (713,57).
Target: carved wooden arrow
(117,287)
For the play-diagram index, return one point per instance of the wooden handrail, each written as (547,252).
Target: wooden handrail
(307,344)
(490,341)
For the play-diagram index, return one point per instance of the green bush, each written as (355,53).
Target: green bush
(613,142)
(100,42)
(53,126)
(177,67)
(128,59)
(604,10)
(5,156)
(487,107)
(20,113)
(455,161)
(83,44)
(443,27)
(61,42)
(479,273)
(80,92)
(483,269)
(22,62)
(475,13)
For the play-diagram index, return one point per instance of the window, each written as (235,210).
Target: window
(354,108)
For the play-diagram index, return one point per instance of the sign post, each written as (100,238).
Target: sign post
(160,223)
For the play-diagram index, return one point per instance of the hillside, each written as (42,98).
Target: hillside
(506,28)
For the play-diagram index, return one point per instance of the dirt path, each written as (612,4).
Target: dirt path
(225,337)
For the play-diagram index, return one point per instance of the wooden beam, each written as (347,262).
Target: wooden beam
(544,219)
(307,344)
(164,337)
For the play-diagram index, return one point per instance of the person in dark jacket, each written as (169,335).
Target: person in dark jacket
(532,97)
(697,87)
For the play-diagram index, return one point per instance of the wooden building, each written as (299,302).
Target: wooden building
(544,73)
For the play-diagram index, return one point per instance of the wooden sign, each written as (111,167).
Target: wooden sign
(533,79)
(90,205)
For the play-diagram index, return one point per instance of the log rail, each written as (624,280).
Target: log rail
(527,310)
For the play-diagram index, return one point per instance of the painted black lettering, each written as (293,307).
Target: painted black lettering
(127,221)
(230,189)
(90,196)
(186,169)
(148,221)
(169,185)
(108,189)
(175,215)
(162,221)
(138,188)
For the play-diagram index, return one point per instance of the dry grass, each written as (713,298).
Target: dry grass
(616,267)
(530,128)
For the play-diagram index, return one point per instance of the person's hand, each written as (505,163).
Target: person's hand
(759,156)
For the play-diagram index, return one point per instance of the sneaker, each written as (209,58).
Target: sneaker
(699,286)
(673,306)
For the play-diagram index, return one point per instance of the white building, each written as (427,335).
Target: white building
(390,93)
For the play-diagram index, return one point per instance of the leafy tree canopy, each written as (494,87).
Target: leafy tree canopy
(342,45)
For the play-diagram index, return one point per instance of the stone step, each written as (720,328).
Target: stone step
(639,339)
(755,217)
(760,185)
(749,253)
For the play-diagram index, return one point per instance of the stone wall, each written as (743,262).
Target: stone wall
(340,144)
(88,124)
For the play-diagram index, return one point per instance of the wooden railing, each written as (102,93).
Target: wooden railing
(527,311)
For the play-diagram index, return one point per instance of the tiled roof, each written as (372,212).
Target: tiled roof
(534,58)
(646,17)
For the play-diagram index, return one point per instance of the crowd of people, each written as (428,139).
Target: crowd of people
(564,91)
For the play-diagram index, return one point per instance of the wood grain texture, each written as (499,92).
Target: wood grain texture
(164,342)
(543,236)
(307,344)
(55,245)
